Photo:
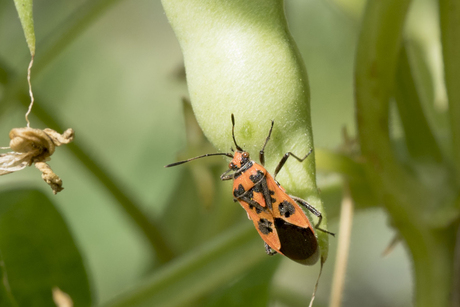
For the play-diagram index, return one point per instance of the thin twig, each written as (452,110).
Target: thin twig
(31,94)
(346,220)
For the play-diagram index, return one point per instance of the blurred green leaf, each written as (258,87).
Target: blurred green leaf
(39,251)
(198,273)
(251,290)
(24,8)
(6,297)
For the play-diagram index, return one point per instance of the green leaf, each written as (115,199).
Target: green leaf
(6,296)
(24,8)
(38,251)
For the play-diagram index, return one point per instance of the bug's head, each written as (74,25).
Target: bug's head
(240,158)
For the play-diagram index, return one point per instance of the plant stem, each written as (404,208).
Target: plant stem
(419,138)
(450,36)
(405,198)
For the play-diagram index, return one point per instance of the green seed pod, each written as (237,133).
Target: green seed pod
(240,58)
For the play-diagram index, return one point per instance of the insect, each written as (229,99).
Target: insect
(277,216)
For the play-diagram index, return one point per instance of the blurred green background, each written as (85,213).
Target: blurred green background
(119,84)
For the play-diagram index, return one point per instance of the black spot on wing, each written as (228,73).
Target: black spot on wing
(265,226)
(286,209)
(297,243)
(257,176)
(238,192)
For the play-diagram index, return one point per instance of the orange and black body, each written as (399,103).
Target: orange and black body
(277,217)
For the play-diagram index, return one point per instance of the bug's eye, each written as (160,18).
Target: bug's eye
(231,165)
(245,155)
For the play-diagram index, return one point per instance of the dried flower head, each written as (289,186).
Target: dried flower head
(34,146)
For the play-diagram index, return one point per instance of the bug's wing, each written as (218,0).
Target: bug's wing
(297,243)
(12,162)
(264,224)
(286,208)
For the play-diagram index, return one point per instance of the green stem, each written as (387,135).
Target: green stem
(404,197)
(419,138)
(450,36)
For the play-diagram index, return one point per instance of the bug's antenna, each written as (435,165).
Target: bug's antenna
(233,134)
(202,156)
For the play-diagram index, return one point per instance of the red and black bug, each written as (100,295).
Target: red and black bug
(277,216)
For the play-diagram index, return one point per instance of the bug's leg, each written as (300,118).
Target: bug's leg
(262,152)
(262,185)
(224,176)
(270,251)
(313,210)
(253,203)
(284,159)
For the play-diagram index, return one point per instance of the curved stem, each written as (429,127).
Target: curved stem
(405,198)
(419,138)
(450,36)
